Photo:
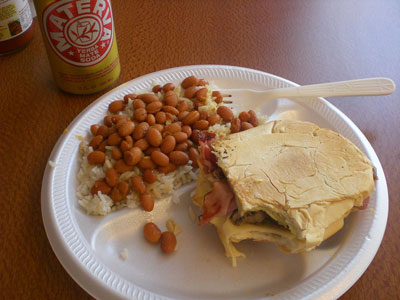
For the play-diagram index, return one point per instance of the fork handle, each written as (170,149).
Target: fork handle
(360,87)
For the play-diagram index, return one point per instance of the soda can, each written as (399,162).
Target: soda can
(80,42)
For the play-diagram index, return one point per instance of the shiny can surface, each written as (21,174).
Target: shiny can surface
(80,42)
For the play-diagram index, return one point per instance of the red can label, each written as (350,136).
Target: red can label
(81,31)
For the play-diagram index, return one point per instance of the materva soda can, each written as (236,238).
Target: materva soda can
(80,42)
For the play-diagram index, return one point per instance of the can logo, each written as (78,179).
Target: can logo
(80,32)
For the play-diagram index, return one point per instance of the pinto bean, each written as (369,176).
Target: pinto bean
(96,141)
(159,127)
(200,124)
(147,163)
(244,116)
(94,128)
(142,144)
(168,242)
(133,156)
(103,131)
(196,104)
(126,128)
(157,88)
(115,119)
(225,113)
(167,169)
(126,144)
(138,184)
(194,156)
(190,92)
(181,147)
(213,119)
(235,125)
(180,136)
(154,107)
(195,136)
(121,167)
(108,121)
(178,157)
(152,233)
(182,106)
(119,192)
(123,187)
(203,115)
(170,98)
(148,98)
(192,117)
(201,94)
(245,126)
(96,157)
(100,186)
(140,114)
(153,137)
(116,106)
(182,115)
(102,146)
(160,158)
(140,130)
(187,129)
(114,139)
(253,120)
(168,144)
(119,123)
(172,128)
(149,176)
(161,117)
(111,177)
(150,150)
(170,117)
(150,119)
(189,81)
(189,143)
(116,195)
(170,109)
(138,103)
(168,87)
(116,153)
(129,96)
(112,130)
(147,201)
(219,99)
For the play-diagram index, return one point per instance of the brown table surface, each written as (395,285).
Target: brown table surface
(303,41)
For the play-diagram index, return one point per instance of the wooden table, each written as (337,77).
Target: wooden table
(303,41)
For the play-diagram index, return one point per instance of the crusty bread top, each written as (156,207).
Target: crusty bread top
(303,176)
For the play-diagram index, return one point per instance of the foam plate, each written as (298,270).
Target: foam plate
(89,247)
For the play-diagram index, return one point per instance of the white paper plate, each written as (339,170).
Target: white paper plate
(88,247)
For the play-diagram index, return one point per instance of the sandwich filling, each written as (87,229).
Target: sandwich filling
(288,182)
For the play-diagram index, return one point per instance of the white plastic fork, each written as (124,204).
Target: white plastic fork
(252,99)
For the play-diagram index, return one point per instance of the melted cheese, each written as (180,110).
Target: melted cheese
(229,233)
(204,186)
(284,239)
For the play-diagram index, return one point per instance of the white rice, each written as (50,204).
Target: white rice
(101,204)
(173,227)
(123,254)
